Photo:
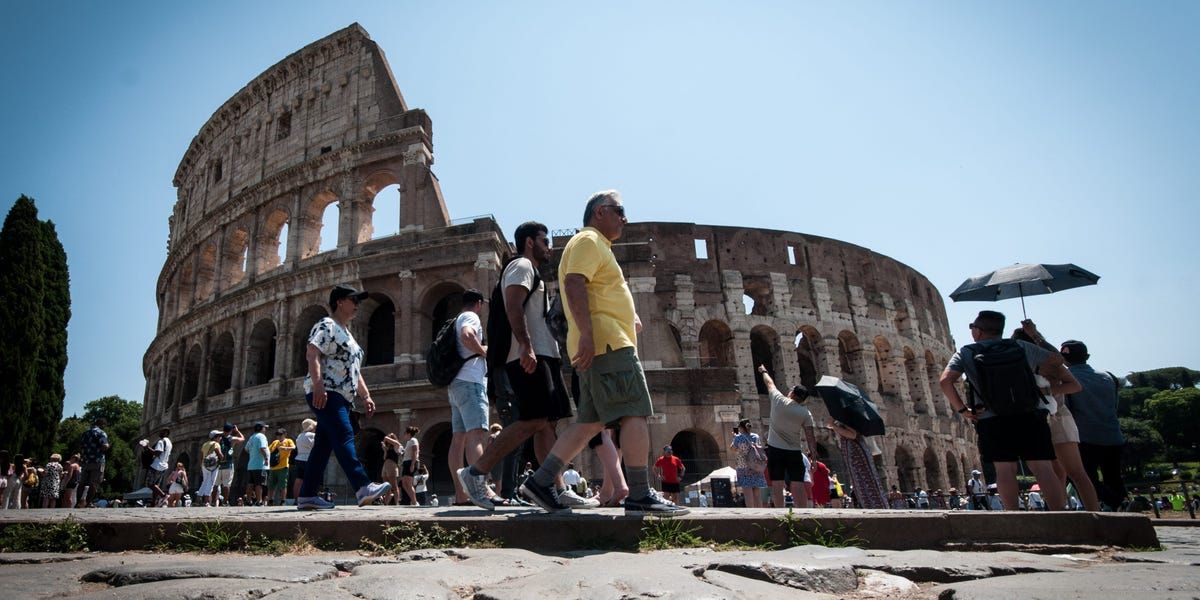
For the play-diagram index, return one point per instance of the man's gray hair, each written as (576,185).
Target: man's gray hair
(595,201)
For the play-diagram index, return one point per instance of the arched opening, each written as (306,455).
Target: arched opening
(184,458)
(316,235)
(172,384)
(916,380)
(233,261)
(191,375)
(220,367)
(673,355)
(716,345)
(906,469)
(764,347)
(381,330)
(304,325)
(330,219)
(370,452)
(757,295)
(932,374)
(933,472)
(385,219)
(206,272)
(850,358)
(437,440)
(260,360)
(187,283)
(888,381)
(274,251)
(954,477)
(443,301)
(808,354)
(699,453)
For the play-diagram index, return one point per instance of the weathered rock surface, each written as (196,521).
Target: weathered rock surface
(1109,581)
(192,589)
(282,568)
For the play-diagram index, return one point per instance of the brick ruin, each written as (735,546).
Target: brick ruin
(246,276)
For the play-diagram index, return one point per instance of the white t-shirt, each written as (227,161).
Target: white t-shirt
(475,368)
(788,420)
(304,444)
(571,477)
(162,460)
(519,272)
(703,501)
(419,483)
(410,449)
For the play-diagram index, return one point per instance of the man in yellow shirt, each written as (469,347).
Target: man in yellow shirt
(602,343)
(281,450)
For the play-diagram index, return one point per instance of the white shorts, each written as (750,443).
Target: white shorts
(176,488)
(225,477)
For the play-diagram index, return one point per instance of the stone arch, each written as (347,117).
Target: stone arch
(699,452)
(378,189)
(906,469)
(716,344)
(234,256)
(933,373)
(186,286)
(933,470)
(850,358)
(757,295)
(889,381)
(172,384)
(206,272)
(440,302)
(380,336)
(274,240)
(967,467)
(809,354)
(436,442)
(220,365)
(191,374)
(954,478)
(370,451)
(183,457)
(260,357)
(764,350)
(304,324)
(915,379)
(311,226)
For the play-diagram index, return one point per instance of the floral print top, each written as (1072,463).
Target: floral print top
(341,358)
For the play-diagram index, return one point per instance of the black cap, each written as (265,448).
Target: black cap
(228,427)
(1074,351)
(472,296)
(340,291)
(259,425)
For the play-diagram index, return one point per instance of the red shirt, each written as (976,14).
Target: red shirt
(820,481)
(670,465)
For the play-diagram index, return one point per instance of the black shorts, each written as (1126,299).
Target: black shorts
(541,395)
(672,488)
(1012,437)
(256,477)
(408,468)
(785,465)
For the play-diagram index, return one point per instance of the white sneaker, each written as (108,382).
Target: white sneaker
(368,493)
(476,488)
(568,497)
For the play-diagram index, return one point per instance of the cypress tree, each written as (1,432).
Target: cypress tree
(21,333)
(47,405)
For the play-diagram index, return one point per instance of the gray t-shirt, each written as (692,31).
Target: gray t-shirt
(520,272)
(788,420)
(963,361)
(1095,407)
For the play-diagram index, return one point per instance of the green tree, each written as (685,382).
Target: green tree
(47,405)
(124,419)
(1165,378)
(66,438)
(21,284)
(1176,415)
(1143,443)
(1132,399)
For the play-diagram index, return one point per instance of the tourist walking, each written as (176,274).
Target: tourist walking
(94,447)
(334,379)
(669,469)
(419,484)
(281,450)
(977,491)
(1005,404)
(468,397)
(750,463)
(177,485)
(157,478)
(392,449)
(863,478)
(602,344)
(412,460)
(526,360)
(230,437)
(304,444)
(210,465)
(70,485)
(6,479)
(821,484)
(51,481)
(258,463)
(1095,409)
(790,433)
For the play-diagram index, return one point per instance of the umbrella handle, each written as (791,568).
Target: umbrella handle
(1021,290)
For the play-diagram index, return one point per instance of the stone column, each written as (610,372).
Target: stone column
(405,339)
(252,249)
(642,289)
(685,304)
(295,231)
(283,340)
(205,369)
(240,349)
(830,356)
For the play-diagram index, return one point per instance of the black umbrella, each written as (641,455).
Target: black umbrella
(1020,280)
(850,405)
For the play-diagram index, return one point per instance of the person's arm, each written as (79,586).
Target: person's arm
(682,469)
(1061,379)
(946,382)
(237,437)
(365,394)
(514,309)
(810,434)
(575,286)
(767,381)
(313,357)
(470,340)
(844,431)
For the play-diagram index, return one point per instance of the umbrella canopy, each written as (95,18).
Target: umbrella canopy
(723,473)
(1018,281)
(850,405)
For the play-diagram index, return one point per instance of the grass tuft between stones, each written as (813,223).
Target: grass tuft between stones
(663,534)
(67,535)
(215,536)
(408,536)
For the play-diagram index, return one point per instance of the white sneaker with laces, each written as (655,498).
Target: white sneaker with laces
(568,497)
(476,488)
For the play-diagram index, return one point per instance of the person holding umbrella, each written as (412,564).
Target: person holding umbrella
(790,433)
(1006,405)
(857,455)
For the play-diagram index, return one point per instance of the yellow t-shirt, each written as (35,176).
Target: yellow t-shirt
(285,453)
(590,254)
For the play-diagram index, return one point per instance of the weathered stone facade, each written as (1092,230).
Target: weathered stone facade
(328,125)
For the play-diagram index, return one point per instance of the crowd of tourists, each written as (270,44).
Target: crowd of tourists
(1029,401)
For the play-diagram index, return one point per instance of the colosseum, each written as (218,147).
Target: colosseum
(249,267)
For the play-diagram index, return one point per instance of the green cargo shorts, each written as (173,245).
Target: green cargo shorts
(278,479)
(614,387)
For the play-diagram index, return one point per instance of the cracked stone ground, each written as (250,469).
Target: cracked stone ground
(501,574)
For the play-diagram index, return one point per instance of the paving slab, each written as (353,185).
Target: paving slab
(1109,581)
(276,568)
(945,567)
(192,589)
(22,558)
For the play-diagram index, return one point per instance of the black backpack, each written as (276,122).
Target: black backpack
(1004,381)
(442,360)
(499,330)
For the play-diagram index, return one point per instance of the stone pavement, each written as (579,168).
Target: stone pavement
(502,574)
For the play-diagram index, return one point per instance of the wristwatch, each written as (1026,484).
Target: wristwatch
(964,409)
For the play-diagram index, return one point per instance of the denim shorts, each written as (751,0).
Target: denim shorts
(468,406)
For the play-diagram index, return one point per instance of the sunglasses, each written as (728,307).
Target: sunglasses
(617,208)
(973,326)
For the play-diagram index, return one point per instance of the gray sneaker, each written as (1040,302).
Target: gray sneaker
(654,505)
(569,498)
(476,488)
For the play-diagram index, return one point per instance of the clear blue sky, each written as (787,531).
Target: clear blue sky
(956,137)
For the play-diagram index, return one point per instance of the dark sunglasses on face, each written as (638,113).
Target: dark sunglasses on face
(617,208)
(973,326)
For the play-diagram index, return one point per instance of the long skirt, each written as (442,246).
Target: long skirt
(867,489)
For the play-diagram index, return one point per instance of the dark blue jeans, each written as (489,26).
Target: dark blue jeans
(333,434)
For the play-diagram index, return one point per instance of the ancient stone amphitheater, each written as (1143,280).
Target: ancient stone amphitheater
(249,267)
